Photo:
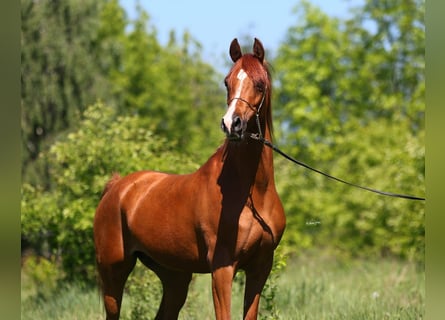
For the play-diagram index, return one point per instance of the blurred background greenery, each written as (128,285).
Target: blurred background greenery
(100,94)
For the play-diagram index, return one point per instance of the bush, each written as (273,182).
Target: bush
(144,290)
(41,277)
(268,305)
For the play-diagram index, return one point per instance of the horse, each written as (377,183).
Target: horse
(225,217)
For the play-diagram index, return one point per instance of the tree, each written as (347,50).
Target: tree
(180,96)
(350,101)
(63,70)
(76,53)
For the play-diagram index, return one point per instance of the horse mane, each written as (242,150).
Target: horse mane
(260,75)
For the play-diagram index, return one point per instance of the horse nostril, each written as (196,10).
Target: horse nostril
(223,125)
(233,128)
(237,125)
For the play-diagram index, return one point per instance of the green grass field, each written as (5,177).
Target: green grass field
(311,287)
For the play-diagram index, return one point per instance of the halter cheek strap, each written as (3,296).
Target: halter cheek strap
(257,110)
(243,100)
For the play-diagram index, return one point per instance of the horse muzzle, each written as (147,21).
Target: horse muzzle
(233,128)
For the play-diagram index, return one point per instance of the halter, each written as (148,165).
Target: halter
(259,135)
(257,110)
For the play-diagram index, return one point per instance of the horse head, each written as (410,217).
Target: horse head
(248,91)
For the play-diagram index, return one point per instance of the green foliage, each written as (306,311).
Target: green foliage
(43,277)
(60,75)
(350,101)
(269,303)
(59,222)
(171,86)
(144,290)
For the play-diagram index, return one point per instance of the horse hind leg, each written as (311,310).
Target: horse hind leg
(175,286)
(113,278)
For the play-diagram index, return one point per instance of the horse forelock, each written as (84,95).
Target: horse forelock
(257,71)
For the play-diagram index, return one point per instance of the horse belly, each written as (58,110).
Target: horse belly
(169,254)
(163,228)
(173,248)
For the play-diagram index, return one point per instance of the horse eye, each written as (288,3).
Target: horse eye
(259,86)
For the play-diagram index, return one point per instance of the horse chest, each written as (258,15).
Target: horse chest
(251,233)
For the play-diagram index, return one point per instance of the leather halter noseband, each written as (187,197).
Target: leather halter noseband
(257,110)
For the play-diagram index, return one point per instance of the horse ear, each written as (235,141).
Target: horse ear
(235,50)
(258,50)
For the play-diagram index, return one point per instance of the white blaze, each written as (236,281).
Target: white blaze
(242,75)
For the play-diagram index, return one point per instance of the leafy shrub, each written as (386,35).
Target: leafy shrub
(268,306)
(144,290)
(42,277)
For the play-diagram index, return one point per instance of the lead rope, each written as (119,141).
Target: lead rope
(259,137)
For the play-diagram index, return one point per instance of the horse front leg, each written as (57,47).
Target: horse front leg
(222,291)
(256,277)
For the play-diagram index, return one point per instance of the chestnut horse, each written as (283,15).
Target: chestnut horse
(224,217)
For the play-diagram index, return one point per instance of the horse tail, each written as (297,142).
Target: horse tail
(114,179)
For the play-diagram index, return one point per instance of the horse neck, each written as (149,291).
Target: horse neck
(265,171)
(250,161)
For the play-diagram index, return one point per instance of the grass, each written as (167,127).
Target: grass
(69,303)
(327,289)
(310,287)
